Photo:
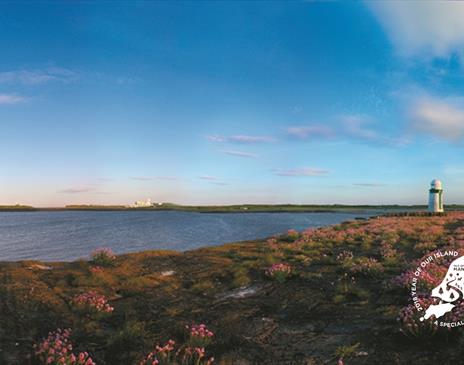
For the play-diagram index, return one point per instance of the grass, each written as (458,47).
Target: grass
(339,293)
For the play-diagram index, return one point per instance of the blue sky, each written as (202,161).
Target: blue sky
(231,102)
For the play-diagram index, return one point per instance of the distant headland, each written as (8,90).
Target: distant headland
(239,208)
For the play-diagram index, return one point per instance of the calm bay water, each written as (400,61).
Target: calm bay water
(69,235)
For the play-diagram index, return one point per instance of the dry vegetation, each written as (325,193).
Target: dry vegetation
(340,300)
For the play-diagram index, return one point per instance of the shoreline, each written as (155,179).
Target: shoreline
(355,219)
(338,296)
(245,208)
(261,240)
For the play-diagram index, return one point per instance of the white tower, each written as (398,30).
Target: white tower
(435,197)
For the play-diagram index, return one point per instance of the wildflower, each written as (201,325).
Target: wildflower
(103,257)
(411,324)
(345,256)
(96,269)
(367,266)
(92,302)
(200,335)
(56,349)
(291,236)
(165,355)
(279,272)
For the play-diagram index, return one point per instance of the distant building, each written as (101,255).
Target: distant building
(436,197)
(142,204)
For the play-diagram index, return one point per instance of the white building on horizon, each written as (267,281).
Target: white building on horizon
(436,197)
(142,204)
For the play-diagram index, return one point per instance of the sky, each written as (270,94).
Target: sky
(301,102)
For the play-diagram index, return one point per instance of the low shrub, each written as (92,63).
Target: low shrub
(57,348)
(367,266)
(103,257)
(168,355)
(410,321)
(92,303)
(279,272)
(291,236)
(199,335)
(241,278)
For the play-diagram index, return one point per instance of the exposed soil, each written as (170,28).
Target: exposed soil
(314,317)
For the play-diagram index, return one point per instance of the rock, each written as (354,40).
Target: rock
(39,267)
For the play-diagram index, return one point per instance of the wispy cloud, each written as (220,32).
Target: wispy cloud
(38,76)
(240,153)
(141,178)
(10,99)
(78,190)
(351,127)
(357,125)
(422,28)
(169,178)
(208,177)
(347,126)
(296,109)
(443,118)
(306,171)
(369,185)
(220,183)
(241,139)
(309,131)
(122,80)
(214,180)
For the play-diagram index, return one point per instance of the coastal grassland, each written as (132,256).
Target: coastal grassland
(16,208)
(243,208)
(341,298)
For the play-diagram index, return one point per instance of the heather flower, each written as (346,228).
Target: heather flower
(96,269)
(279,272)
(410,318)
(103,257)
(291,235)
(429,278)
(92,302)
(199,335)
(57,348)
(166,355)
(345,256)
(272,243)
(387,251)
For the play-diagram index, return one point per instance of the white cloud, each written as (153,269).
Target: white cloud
(208,177)
(240,139)
(369,185)
(220,183)
(355,126)
(443,118)
(141,178)
(10,99)
(422,28)
(305,132)
(216,138)
(168,178)
(38,76)
(240,154)
(78,190)
(349,126)
(306,171)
